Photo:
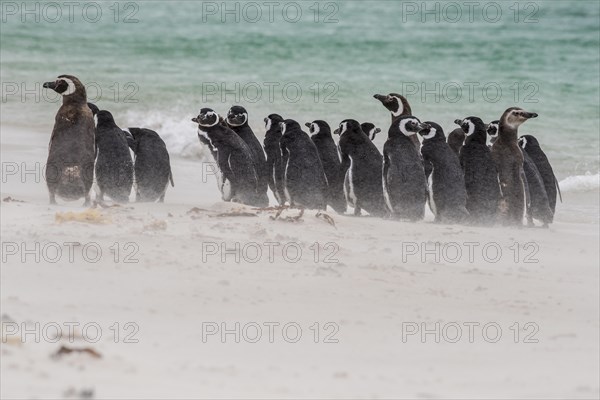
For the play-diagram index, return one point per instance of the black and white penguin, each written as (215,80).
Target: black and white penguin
(398,106)
(274,160)
(370,130)
(481,176)
(492,131)
(456,139)
(361,165)
(114,167)
(508,157)
(537,205)
(330,158)
(531,146)
(237,120)
(152,165)
(404,181)
(448,196)
(305,184)
(239,177)
(72,150)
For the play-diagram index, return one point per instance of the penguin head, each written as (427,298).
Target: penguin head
(348,125)
(370,130)
(237,116)
(289,125)
(105,118)
(66,85)
(395,103)
(410,125)
(513,117)
(318,126)
(93,107)
(493,128)
(432,131)
(527,142)
(470,124)
(272,121)
(206,119)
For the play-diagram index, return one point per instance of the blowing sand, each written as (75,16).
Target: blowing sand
(508,312)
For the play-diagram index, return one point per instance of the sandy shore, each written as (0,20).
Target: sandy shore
(509,312)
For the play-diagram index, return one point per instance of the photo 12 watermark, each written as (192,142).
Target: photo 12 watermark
(53,12)
(269,332)
(469,332)
(454,12)
(469,252)
(71,331)
(269,92)
(253,12)
(471,92)
(269,252)
(25,92)
(69,252)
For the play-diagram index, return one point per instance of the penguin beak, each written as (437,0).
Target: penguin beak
(377,130)
(529,115)
(195,119)
(423,127)
(50,85)
(458,122)
(380,97)
(337,131)
(307,124)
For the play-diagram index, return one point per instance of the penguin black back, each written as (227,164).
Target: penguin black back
(531,146)
(304,177)
(237,120)
(152,165)
(114,167)
(361,165)
(448,194)
(329,155)
(480,174)
(456,140)
(274,160)
(404,181)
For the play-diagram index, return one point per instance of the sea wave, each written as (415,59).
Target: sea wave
(580,183)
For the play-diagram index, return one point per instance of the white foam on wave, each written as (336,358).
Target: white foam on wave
(179,133)
(580,183)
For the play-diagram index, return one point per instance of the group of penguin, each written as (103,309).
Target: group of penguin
(86,141)
(463,179)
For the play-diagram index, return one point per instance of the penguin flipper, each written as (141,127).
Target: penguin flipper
(558,188)
(171,179)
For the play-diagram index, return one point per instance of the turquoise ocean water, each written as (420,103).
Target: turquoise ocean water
(155,64)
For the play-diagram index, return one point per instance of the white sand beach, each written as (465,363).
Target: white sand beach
(515,311)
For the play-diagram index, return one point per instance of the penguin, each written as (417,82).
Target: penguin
(531,146)
(72,149)
(305,184)
(492,131)
(114,167)
(239,177)
(152,166)
(537,205)
(404,181)
(237,120)
(456,139)
(480,174)
(448,196)
(361,166)
(330,158)
(508,157)
(370,130)
(398,106)
(274,160)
